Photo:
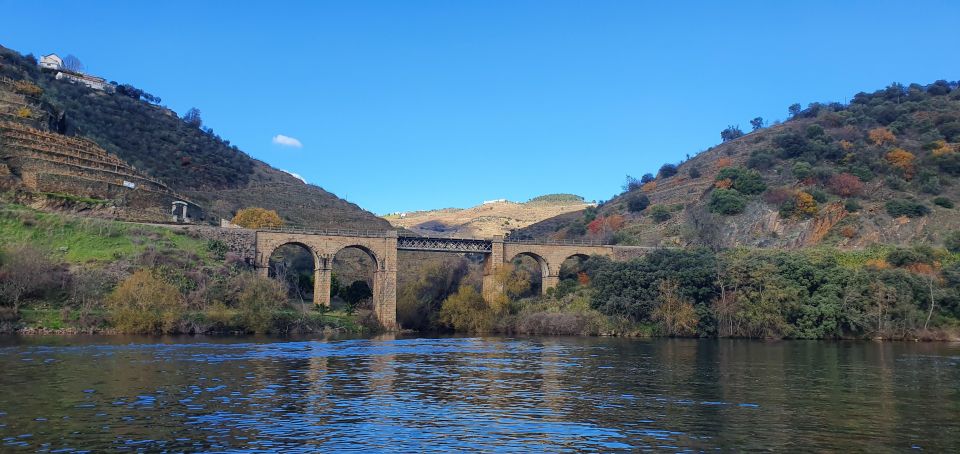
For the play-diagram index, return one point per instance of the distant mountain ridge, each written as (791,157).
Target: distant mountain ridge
(190,159)
(490,218)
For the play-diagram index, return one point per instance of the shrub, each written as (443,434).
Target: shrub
(24,270)
(802,170)
(943,202)
(466,311)
(904,257)
(777,196)
(257,299)
(694,172)
(637,202)
(761,160)
(818,195)
(852,206)
(952,241)
(902,160)
(744,181)
(659,213)
(845,185)
(727,202)
(881,136)
(902,207)
(257,218)
(145,304)
(668,170)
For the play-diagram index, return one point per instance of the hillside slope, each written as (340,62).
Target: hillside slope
(488,219)
(192,160)
(882,169)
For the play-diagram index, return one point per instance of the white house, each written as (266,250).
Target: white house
(52,61)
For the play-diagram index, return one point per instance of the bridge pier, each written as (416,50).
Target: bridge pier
(492,263)
(548,282)
(322,277)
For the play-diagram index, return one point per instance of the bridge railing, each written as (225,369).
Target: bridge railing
(555,242)
(330,232)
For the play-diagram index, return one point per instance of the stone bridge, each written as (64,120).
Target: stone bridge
(382,248)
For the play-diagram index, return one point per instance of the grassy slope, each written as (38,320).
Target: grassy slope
(79,240)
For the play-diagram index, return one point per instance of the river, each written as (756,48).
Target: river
(481,393)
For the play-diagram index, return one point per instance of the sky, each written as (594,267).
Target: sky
(407,105)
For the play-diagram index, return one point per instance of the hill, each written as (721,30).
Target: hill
(496,217)
(882,169)
(190,159)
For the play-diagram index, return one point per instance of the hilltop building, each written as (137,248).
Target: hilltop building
(53,62)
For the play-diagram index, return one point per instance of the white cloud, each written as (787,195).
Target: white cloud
(296,175)
(286,141)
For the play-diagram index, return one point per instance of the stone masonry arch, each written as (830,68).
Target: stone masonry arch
(382,248)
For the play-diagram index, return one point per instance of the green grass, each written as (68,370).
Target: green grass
(82,240)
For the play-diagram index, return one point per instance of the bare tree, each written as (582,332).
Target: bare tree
(192,117)
(72,63)
(25,270)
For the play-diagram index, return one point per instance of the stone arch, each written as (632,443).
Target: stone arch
(377,261)
(542,261)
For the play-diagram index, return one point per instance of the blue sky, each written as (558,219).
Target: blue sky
(404,105)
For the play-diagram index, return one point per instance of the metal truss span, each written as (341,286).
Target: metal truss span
(415,243)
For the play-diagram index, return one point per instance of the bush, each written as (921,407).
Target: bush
(467,311)
(258,298)
(902,207)
(747,182)
(943,202)
(727,202)
(637,202)
(761,160)
(818,195)
(694,172)
(845,185)
(952,241)
(668,170)
(24,270)
(802,170)
(145,304)
(659,213)
(852,206)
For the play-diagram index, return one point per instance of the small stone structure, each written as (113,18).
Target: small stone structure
(382,248)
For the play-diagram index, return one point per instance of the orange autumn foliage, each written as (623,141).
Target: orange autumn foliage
(877,264)
(649,186)
(583,278)
(723,162)
(725,183)
(903,160)
(881,136)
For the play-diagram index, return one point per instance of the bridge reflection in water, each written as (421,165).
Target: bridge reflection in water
(382,247)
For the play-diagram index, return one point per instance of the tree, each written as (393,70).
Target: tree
(637,202)
(756,123)
(646,178)
(72,63)
(356,292)
(257,218)
(747,182)
(732,132)
(631,184)
(192,117)
(794,110)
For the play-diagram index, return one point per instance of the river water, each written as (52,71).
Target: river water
(489,394)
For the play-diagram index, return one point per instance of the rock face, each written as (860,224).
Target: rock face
(821,225)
